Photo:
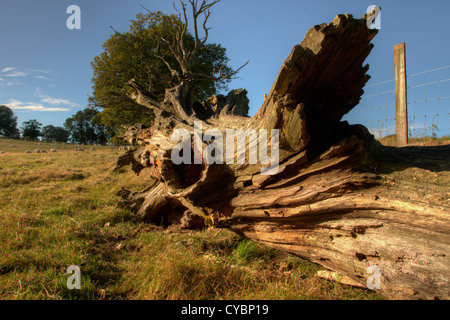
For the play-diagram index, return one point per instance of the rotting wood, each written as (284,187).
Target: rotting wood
(333,200)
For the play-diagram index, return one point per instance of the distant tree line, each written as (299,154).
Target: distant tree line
(82,128)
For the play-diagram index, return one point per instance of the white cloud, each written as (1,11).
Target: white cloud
(16,74)
(8,69)
(14,83)
(9,82)
(40,71)
(30,106)
(13,72)
(416,126)
(54,101)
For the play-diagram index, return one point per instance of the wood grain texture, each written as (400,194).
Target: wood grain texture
(334,200)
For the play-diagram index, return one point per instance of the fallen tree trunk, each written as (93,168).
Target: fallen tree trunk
(330,199)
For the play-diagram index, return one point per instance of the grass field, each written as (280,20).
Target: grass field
(60,209)
(413,141)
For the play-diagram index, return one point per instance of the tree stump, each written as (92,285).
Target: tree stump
(332,200)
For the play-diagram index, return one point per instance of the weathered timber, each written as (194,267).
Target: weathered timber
(333,199)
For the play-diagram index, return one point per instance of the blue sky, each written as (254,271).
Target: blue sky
(45,69)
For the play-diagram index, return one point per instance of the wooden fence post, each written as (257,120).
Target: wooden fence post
(400,94)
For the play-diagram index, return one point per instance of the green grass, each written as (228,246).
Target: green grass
(60,209)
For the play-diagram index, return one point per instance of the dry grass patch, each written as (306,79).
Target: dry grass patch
(216,265)
(60,209)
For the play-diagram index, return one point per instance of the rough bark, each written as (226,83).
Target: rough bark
(332,200)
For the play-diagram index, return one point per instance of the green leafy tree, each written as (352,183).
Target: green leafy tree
(141,54)
(85,129)
(31,129)
(57,134)
(8,123)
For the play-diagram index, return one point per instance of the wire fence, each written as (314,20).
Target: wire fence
(428,105)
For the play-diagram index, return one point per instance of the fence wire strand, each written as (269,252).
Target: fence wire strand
(428,107)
